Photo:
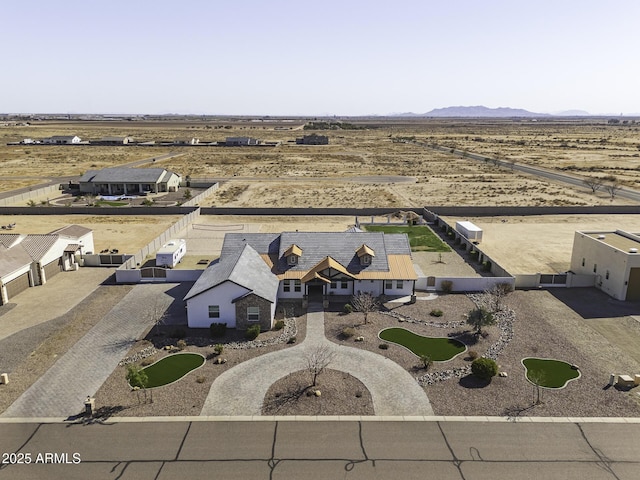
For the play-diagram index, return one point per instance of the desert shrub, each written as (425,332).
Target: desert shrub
(484,368)
(446,286)
(348,332)
(486,266)
(200,379)
(252,332)
(426,361)
(348,308)
(383,346)
(279,325)
(472,354)
(291,340)
(217,330)
(146,362)
(179,333)
(436,313)
(181,344)
(218,348)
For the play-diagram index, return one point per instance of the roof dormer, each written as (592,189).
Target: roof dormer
(365,254)
(293,253)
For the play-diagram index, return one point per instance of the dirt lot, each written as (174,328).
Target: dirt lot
(127,233)
(300,175)
(541,244)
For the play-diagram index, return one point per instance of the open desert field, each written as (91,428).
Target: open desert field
(366,166)
(127,233)
(541,244)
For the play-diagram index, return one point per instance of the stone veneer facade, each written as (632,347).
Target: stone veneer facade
(253,300)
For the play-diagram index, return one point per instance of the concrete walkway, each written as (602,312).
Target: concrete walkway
(241,389)
(61,391)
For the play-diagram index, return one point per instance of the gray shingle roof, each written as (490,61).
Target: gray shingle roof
(128,175)
(244,267)
(341,246)
(75,231)
(13,259)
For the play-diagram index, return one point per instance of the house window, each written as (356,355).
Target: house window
(607,275)
(583,262)
(253,314)
(399,284)
(297,286)
(214,311)
(286,286)
(343,284)
(388,284)
(365,259)
(292,259)
(595,267)
(334,285)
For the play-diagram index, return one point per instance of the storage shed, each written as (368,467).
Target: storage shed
(470,231)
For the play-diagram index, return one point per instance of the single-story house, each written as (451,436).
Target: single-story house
(113,141)
(313,139)
(129,181)
(29,260)
(255,270)
(613,258)
(241,141)
(62,140)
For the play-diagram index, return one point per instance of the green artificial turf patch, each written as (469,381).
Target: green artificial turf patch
(172,368)
(421,238)
(549,373)
(439,349)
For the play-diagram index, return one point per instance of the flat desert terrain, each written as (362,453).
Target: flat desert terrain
(127,233)
(541,244)
(365,167)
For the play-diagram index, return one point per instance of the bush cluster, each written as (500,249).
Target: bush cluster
(279,325)
(348,332)
(252,332)
(217,330)
(485,368)
(436,313)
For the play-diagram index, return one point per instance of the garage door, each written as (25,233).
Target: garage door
(51,269)
(17,285)
(633,288)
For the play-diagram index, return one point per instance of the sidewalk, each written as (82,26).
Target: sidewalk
(241,390)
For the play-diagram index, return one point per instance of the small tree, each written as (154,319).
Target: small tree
(496,295)
(426,361)
(613,189)
(537,378)
(158,315)
(480,317)
(364,302)
(594,183)
(485,368)
(318,359)
(138,379)
(187,194)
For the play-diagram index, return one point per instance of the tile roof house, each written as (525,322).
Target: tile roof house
(294,265)
(128,181)
(29,260)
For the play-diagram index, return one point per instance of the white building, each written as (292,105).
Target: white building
(612,258)
(29,260)
(256,270)
(62,140)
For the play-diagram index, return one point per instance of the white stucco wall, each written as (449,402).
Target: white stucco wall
(374,287)
(222,295)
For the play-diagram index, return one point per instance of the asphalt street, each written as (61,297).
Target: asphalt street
(282,449)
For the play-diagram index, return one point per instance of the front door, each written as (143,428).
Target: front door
(315,292)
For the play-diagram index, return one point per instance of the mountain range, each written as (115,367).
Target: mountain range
(482,111)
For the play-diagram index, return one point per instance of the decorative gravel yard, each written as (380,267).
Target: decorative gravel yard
(172,368)
(549,373)
(440,349)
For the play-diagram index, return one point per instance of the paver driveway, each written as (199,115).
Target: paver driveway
(241,389)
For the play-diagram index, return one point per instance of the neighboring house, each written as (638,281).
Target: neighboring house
(613,258)
(313,139)
(29,260)
(129,181)
(113,141)
(193,141)
(241,141)
(62,140)
(297,265)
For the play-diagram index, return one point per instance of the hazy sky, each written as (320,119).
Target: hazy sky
(347,57)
